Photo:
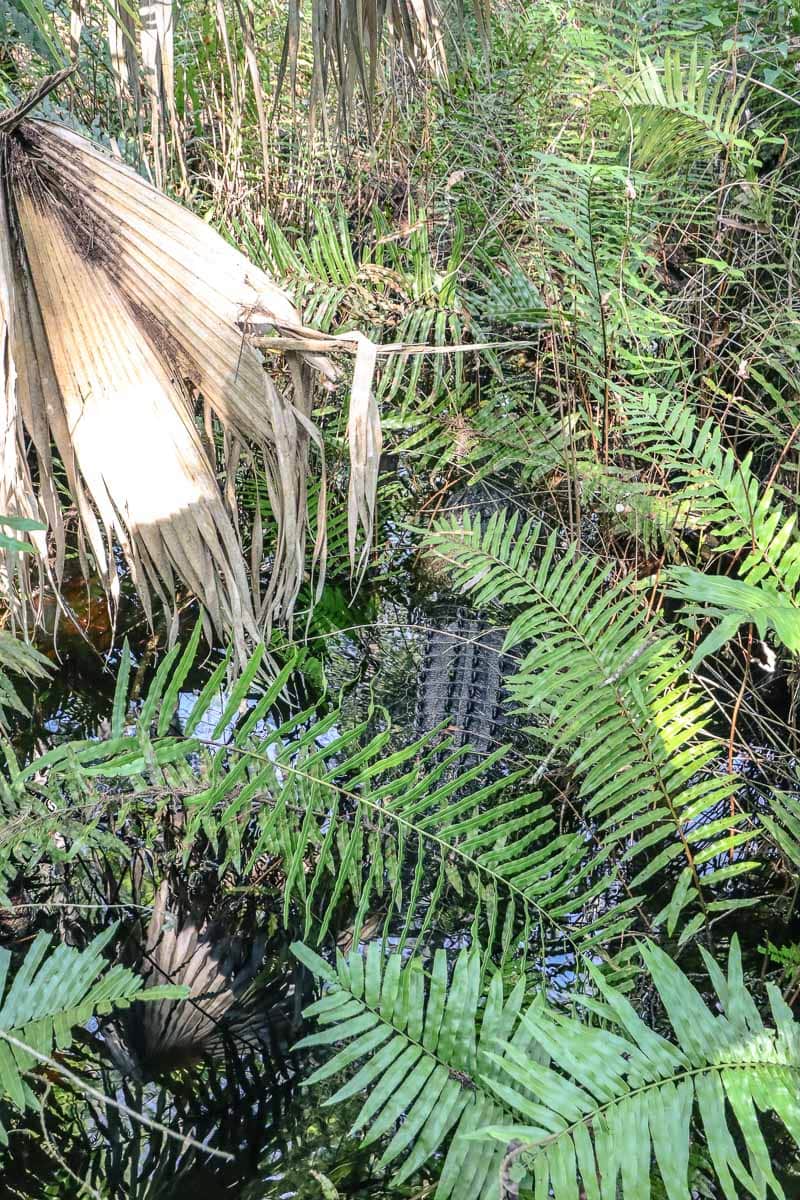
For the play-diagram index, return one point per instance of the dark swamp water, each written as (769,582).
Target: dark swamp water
(405,651)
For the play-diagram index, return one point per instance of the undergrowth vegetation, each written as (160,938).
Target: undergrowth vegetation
(479,879)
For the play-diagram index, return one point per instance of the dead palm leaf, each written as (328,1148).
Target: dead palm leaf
(118,309)
(347,41)
(217,969)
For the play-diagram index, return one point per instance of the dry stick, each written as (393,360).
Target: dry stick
(94,1092)
(774,472)
(615,676)
(346,341)
(603,331)
(734,720)
(50,1149)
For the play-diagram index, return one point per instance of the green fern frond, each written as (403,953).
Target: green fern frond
(396,825)
(54,822)
(609,692)
(734,603)
(346,812)
(51,992)
(17,658)
(682,112)
(782,821)
(618,1096)
(587,1101)
(392,287)
(507,432)
(711,487)
(428,1051)
(507,296)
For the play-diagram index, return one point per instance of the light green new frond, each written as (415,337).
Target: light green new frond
(710,487)
(713,489)
(681,111)
(608,692)
(426,1044)
(51,992)
(616,1099)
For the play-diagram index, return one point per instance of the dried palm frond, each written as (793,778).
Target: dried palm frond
(118,310)
(347,40)
(218,971)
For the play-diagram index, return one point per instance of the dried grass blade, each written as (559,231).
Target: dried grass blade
(364,435)
(247,21)
(156,40)
(121,27)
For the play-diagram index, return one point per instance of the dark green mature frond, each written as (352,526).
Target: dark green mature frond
(51,817)
(506,295)
(617,1097)
(398,291)
(401,828)
(428,1048)
(608,689)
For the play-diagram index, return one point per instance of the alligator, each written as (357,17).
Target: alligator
(461,682)
(463,667)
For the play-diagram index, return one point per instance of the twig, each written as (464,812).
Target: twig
(260,337)
(615,676)
(83,1086)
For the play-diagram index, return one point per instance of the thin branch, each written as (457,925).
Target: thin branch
(83,1086)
